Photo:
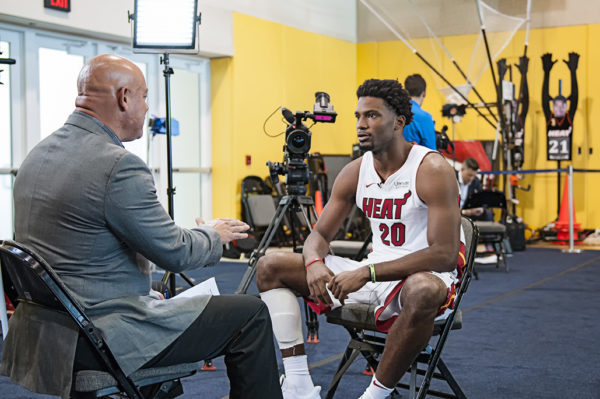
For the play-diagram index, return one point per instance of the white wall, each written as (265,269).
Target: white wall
(335,18)
(107,19)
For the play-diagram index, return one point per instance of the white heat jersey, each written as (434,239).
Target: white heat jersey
(398,216)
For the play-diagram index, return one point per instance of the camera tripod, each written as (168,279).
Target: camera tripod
(289,205)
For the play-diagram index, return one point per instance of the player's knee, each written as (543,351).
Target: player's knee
(267,272)
(422,291)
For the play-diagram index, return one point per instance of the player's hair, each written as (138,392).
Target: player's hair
(391,92)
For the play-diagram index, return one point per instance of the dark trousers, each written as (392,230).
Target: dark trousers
(236,326)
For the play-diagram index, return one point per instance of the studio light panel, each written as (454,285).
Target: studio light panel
(160,24)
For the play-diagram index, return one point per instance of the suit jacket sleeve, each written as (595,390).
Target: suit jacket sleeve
(134,214)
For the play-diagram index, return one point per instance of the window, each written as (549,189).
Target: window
(6,215)
(58,73)
(51,63)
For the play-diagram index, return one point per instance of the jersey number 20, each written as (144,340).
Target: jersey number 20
(395,233)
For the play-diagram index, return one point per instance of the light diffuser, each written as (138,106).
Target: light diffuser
(161,25)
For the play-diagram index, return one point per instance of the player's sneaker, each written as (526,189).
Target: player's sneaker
(290,393)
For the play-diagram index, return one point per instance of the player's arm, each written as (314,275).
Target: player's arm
(335,211)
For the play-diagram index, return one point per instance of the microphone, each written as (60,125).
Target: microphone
(288,115)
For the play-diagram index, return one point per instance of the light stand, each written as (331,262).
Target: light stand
(168,277)
(167,72)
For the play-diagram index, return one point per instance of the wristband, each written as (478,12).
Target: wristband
(310,262)
(372,270)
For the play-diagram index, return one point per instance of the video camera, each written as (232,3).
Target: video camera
(443,142)
(297,144)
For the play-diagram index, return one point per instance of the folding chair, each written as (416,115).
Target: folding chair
(491,232)
(359,320)
(33,281)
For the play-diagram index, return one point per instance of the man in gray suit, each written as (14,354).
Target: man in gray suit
(89,207)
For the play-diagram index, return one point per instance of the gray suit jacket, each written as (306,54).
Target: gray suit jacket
(88,207)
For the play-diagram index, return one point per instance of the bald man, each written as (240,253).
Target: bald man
(89,208)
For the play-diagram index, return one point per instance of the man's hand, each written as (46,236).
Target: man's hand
(573,61)
(472,211)
(347,282)
(317,276)
(157,295)
(547,62)
(228,229)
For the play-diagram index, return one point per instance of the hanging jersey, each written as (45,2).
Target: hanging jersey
(559,138)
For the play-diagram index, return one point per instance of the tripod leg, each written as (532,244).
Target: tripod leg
(312,325)
(283,206)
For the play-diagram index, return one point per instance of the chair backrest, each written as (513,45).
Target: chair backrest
(261,210)
(254,185)
(471,236)
(489,199)
(34,281)
(486,199)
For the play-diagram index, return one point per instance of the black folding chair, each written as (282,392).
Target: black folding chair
(359,320)
(32,280)
(491,232)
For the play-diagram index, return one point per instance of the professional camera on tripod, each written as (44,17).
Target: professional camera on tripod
(295,167)
(297,144)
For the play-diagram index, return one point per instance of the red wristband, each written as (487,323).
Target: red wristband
(310,262)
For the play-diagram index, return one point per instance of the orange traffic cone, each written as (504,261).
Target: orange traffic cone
(562,224)
(318,202)
(208,366)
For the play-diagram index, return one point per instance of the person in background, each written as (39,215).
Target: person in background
(469,184)
(421,129)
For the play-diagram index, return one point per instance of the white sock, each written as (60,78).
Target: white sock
(376,390)
(297,375)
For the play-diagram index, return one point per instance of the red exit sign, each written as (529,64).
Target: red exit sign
(62,5)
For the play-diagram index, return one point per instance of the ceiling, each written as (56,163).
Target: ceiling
(454,17)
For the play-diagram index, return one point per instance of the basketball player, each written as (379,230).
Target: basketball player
(410,195)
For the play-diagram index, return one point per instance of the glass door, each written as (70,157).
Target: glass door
(10,93)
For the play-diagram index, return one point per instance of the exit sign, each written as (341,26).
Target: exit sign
(62,5)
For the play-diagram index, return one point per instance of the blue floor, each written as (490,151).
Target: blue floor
(529,333)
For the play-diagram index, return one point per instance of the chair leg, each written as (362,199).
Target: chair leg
(412,394)
(503,249)
(347,360)
(447,375)
(166,390)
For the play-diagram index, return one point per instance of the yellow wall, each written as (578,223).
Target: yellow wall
(275,65)
(537,207)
